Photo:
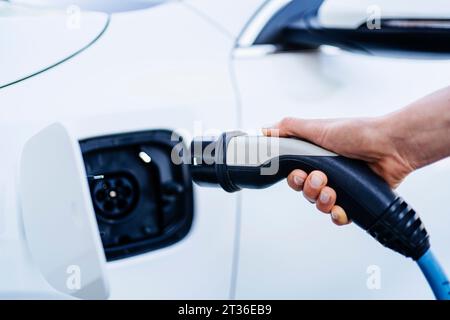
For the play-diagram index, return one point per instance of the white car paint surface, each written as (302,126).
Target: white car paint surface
(166,77)
(177,66)
(299,252)
(34,39)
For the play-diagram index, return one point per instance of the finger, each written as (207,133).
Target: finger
(326,199)
(306,129)
(296,179)
(338,216)
(313,185)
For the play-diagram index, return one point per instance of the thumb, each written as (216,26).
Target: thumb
(311,130)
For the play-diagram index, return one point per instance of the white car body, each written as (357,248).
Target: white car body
(176,63)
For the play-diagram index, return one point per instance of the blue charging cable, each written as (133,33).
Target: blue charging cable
(435,275)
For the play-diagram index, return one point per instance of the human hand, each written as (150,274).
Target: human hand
(365,139)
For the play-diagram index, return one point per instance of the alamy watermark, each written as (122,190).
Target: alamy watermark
(73,280)
(73,19)
(373,281)
(373,20)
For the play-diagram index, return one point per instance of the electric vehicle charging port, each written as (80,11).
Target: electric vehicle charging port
(142,200)
(114,196)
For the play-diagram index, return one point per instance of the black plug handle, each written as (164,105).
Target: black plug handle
(366,198)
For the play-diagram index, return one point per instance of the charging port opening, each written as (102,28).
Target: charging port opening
(142,200)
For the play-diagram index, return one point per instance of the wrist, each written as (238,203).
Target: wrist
(391,157)
(395,144)
(382,141)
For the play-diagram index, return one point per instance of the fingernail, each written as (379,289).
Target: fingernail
(316,181)
(270,131)
(334,215)
(298,180)
(324,197)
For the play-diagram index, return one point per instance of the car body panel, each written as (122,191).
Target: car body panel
(168,78)
(299,252)
(36,39)
(229,15)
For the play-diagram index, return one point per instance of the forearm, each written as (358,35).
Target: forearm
(420,132)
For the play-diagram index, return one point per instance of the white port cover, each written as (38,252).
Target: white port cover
(59,220)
